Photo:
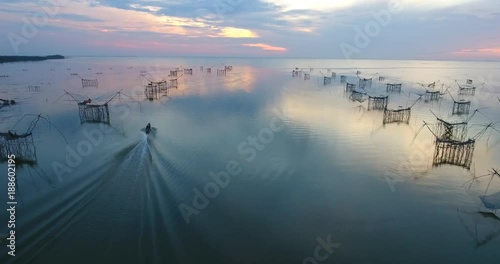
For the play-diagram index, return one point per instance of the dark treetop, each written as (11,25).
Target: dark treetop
(4,59)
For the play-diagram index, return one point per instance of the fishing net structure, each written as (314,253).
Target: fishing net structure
(90,112)
(398,116)
(452,144)
(155,89)
(393,87)
(377,102)
(20,145)
(451,131)
(491,203)
(93,113)
(381,78)
(90,83)
(221,72)
(334,75)
(431,95)
(461,107)
(326,79)
(357,96)
(484,224)
(307,76)
(173,74)
(162,85)
(467,89)
(343,78)
(188,71)
(173,83)
(34,88)
(228,68)
(209,70)
(349,87)
(365,83)
(454,152)
(296,72)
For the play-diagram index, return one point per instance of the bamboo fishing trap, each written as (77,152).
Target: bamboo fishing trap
(326,80)
(400,115)
(393,87)
(365,82)
(377,102)
(92,112)
(467,89)
(452,144)
(21,145)
(461,106)
(89,82)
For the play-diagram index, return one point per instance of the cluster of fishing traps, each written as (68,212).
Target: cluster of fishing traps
(453,146)
(21,144)
(156,89)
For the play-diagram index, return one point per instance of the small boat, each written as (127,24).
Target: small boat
(7,102)
(147,130)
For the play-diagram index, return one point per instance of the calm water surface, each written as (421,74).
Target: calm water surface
(323,167)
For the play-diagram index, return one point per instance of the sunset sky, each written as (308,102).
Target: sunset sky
(405,29)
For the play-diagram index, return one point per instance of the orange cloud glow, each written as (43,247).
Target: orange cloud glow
(231,32)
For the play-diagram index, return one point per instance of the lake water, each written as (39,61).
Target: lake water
(298,164)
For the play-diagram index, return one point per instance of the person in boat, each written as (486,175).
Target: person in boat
(88,101)
(148,128)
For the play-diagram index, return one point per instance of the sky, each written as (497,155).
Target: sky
(364,29)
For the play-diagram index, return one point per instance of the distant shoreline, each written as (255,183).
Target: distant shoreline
(6,59)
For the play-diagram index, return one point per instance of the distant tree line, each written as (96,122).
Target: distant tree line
(4,59)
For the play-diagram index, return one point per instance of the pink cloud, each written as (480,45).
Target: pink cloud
(266,47)
(479,52)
